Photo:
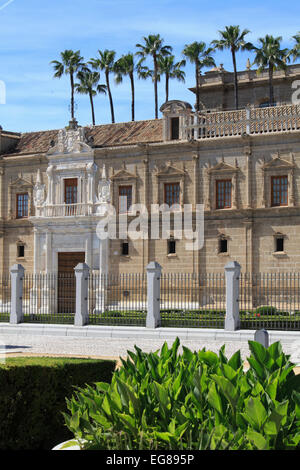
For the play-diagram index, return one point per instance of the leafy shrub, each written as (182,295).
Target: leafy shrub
(199,400)
(266,310)
(33,396)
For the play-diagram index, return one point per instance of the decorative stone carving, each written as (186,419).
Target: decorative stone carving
(39,191)
(104,191)
(104,188)
(70,141)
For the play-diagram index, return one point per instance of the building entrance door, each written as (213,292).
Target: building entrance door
(66,280)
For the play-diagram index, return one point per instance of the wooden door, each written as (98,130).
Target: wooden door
(66,280)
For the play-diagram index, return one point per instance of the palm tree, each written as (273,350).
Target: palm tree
(233,38)
(126,66)
(71,63)
(171,70)
(295,51)
(153,46)
(106,62)
(89,85)
(198,54)
(269,55)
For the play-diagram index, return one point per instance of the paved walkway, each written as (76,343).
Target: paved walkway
(107,347)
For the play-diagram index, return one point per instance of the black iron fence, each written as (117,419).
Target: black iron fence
(193,300)
(117,299)
(270,301)
(49,298)
(5,293)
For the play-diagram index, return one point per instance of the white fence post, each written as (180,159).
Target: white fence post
(232,274)
(82,281)
(153,319)
(17,275)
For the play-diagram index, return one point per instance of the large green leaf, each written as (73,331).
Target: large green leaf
(259,441)
(228,390)
(236,360)
(255,412)
(259,352)
(214,399)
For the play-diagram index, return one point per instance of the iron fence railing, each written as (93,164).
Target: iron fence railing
(193,300)
(49,298)
(270,301)
(5,293)
(117,299)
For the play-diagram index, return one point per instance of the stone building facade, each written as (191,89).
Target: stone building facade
(217,87)
(242,167)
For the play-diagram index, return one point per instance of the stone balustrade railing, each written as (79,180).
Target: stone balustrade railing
(65,210)
(248,121)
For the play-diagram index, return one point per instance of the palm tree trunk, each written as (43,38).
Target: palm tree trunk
(92,107)
(155,87)
(271,89)
(167,87)
(110,98)
(197,87)
(236,95)
(132,95)
(72,95)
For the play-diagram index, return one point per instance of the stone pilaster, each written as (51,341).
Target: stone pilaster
(248,153)
(1,193)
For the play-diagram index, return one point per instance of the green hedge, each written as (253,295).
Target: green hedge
(33,396)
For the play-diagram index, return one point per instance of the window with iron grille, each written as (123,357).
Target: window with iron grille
(279,190)
(125,198)
(223,194)
(172,193)
(22,205)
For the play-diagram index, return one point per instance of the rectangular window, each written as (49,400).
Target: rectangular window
(223,196)
(172,193)
(125,249)
(223,245)
(125,198)
(22,205)
(175,128)
(71,185)
(21,251)
(279,244)
(171,247)
(279,190)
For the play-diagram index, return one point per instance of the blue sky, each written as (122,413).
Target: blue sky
(32,33)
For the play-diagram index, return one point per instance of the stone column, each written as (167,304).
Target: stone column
(1,193)
(89,250)
(17,275)
(37,252)
(247,153)
(232,274)
(48,251)
(146,243)
(82,282)
(153,319)
(196,183)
